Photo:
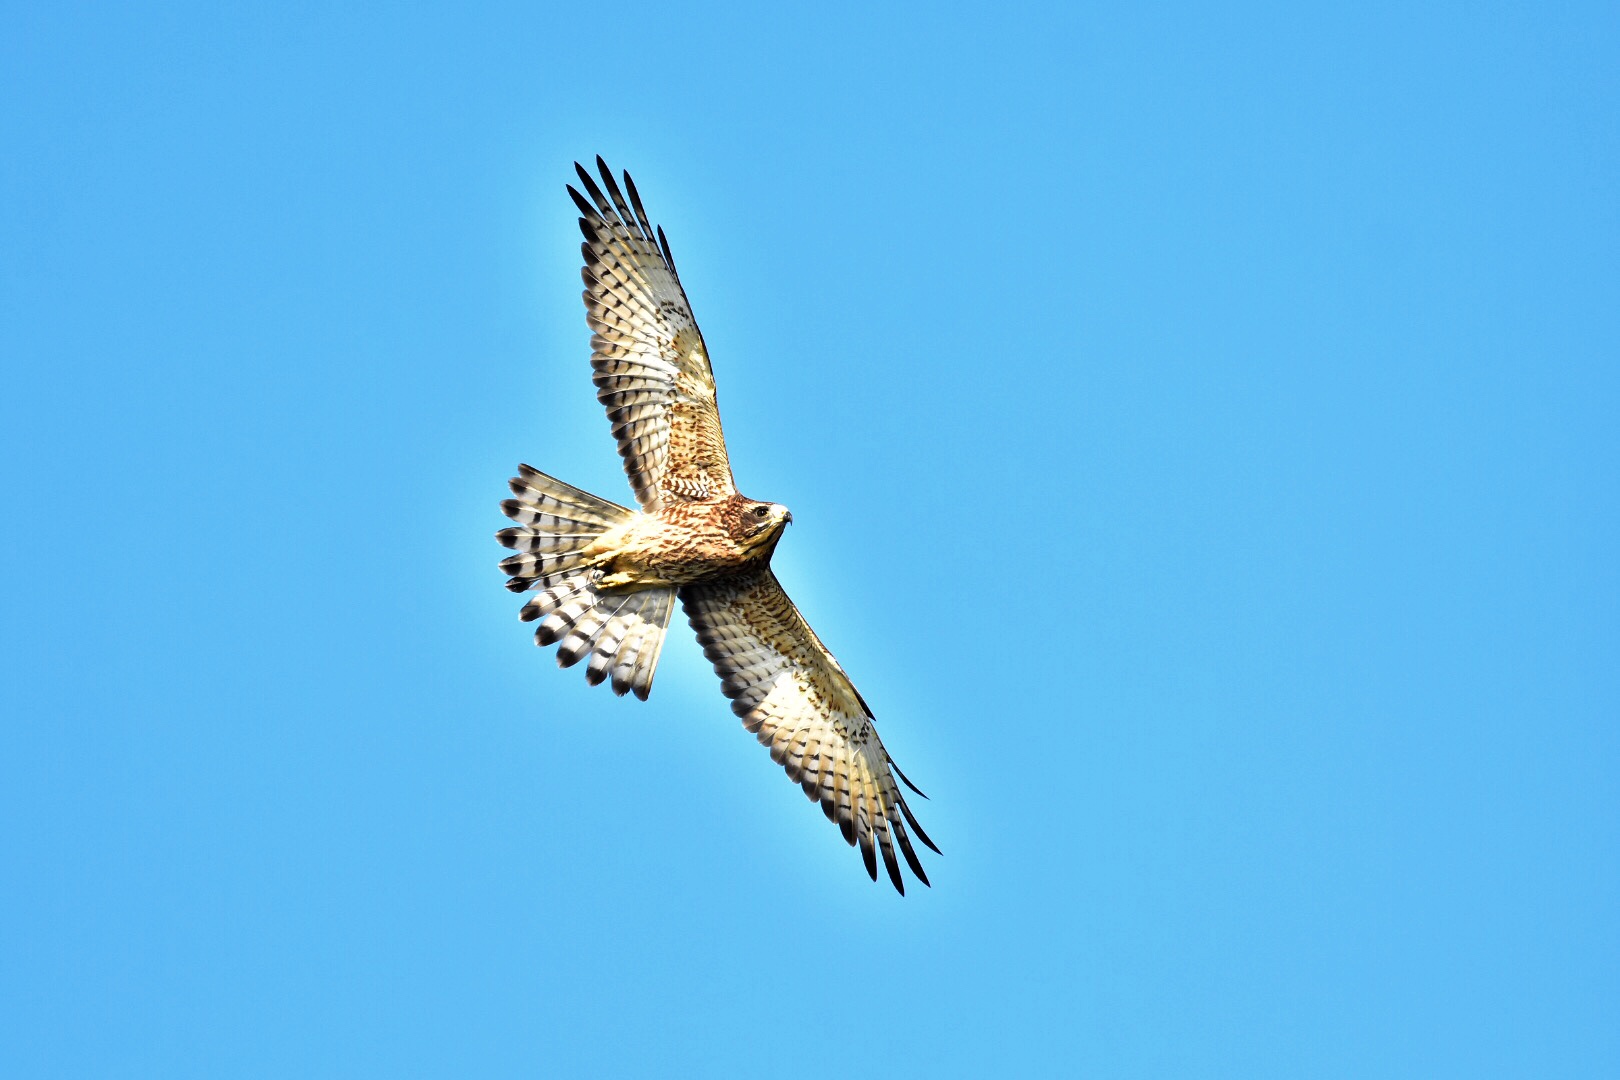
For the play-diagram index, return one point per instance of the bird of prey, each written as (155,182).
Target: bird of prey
(605,578)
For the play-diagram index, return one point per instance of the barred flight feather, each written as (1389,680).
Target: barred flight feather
(790,692)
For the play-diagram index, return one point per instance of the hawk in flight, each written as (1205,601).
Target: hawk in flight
(605,578)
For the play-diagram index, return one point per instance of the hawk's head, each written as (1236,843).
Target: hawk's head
(754,524)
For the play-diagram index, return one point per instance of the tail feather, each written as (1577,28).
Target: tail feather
(618,647)
(539,494)
(637,657)
(555,522)
(585,629)
(621,632)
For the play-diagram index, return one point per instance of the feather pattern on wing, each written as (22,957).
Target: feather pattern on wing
(792,694)
(652,368)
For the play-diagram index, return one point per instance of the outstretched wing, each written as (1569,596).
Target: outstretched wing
(652,369)
(790,692)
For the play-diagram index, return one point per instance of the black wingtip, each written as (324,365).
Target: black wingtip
(890,863)
(922,877)
(911,819)
(909,852)
(905,779)
(591,189)
(635,204)
(579,200)
(612,187)
(663,245)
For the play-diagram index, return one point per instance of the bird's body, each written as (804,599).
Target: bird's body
(605,577)
(685,543)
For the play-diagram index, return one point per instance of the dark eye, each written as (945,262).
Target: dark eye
(761,511)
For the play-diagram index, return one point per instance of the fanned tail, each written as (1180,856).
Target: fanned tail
(622,632)
(556,522)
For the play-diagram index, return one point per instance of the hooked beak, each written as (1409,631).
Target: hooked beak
(788,520)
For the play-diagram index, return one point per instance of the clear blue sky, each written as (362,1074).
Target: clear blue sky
(1200,428)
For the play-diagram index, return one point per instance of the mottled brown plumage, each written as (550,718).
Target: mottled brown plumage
(605,577)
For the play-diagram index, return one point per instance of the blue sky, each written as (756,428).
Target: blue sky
(1200,428)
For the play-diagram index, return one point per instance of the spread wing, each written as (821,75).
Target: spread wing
(652,369)
(790,692)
